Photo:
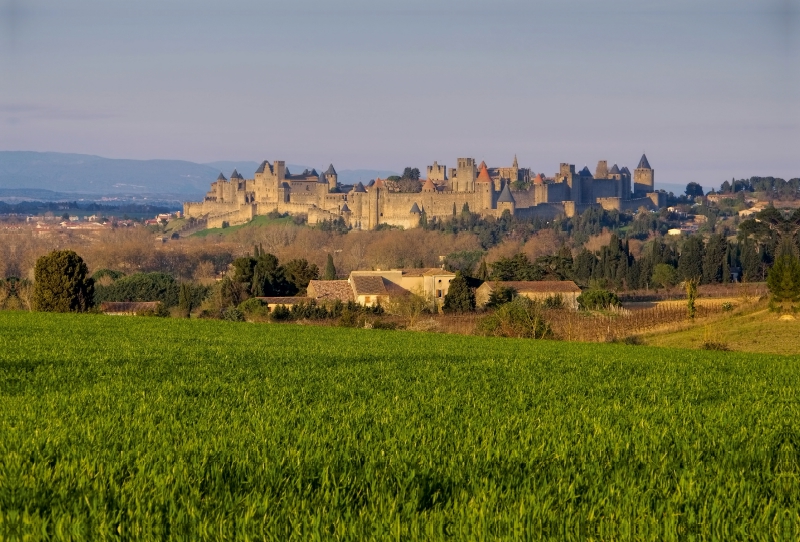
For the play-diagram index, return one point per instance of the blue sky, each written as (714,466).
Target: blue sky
(709,89)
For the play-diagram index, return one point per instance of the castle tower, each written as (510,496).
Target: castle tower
(465,175)
(331,177)
(643,177)
(602,170)
(221,180)
(437,172)
(567,174)
(506,201)
(485,186)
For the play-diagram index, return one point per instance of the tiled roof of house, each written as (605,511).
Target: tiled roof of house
(538,286)
(368,285)
(330,290)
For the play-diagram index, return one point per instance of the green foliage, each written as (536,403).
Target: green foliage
(110,273)
(501,295)
(783,280)
(155,429)
(597,299)
(191,296)
(460,298)
(141,287)
(61,283)
(411,173)
(263,275)
(232,314)
(299,273)
(254,307)
(694,189)
(665,275)
(330,269)
(521,318)
(281,313)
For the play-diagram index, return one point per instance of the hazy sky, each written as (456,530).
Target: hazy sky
(710,90)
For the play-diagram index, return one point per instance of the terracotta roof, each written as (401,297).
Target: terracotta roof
(538,179)
(483,176)
(429,186)
(538,286)
(379,183)
(482,165)
(284,300)
(368,285)
(330,290)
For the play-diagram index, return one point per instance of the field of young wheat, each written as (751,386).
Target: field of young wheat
(147,428)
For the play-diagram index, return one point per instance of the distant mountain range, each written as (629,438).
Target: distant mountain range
(85,174)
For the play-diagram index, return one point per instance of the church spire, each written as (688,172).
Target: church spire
(515,165)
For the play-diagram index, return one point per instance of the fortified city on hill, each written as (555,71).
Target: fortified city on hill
(483,190)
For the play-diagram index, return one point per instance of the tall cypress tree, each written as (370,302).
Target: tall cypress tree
(330,269)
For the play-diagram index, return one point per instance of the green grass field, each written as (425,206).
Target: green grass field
(145,428)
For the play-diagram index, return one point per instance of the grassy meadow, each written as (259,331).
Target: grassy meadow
(146,428)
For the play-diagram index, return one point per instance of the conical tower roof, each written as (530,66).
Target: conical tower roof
(515,165)
(415,209)
(585,172)
(505,195)
(538,179)
(482,165)
(221,177)
(643,163)
(330,170)
(429,186)
(359,187)
(379,183)
(483,176)
(345,208)
(614,170)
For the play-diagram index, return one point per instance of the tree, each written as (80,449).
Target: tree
(483,271)
(714,259)
(141,287)
(691,295)
(460,298)
(665,275)
(62,283)
(330,269)
(690,263)
(411,173)
(783,280)
(299,273)
(693,190)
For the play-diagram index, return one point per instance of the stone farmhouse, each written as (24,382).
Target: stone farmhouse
(536,290)
(370,288)
(483,190)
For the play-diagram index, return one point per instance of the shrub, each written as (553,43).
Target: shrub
(521,317)
(61,283)
(160,311)
(281,313)
(141,287)
(232,314)
(254,307)
(596,299)
(554,302)
(460,298)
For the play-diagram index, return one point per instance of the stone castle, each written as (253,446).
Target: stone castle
(483,190)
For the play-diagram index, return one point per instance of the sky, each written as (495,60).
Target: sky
(710,90)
